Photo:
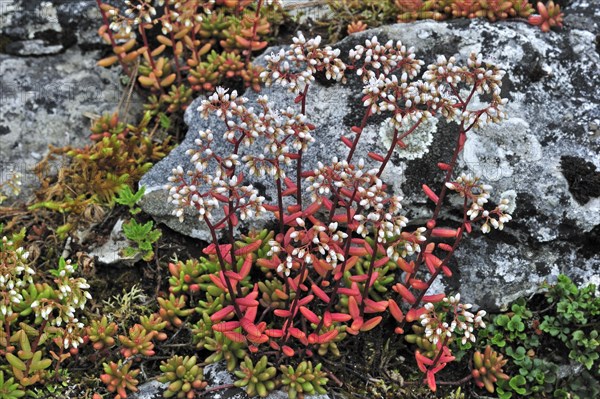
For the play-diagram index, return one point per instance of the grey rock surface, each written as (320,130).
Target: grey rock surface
(547,151)
(48,26)
(50,85)
(306,11)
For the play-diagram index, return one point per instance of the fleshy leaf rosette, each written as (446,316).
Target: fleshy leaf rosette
(549,16)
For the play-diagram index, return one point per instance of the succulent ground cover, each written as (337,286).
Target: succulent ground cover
(332,298)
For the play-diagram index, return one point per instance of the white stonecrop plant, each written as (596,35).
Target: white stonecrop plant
(279,138)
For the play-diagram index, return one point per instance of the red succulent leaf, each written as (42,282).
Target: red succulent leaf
(371,323)
(375,307)
(309,315)
(320,293)
(289,352)
(226,326)
(248,249)
(430,194)
(404,293)
(282,313)
(422,361)
(327,337)
(250,327)
(395,310)
(234,336)
(340,317)
(274,333)
(434,298)
(431,380)
(353,308)
(222,314)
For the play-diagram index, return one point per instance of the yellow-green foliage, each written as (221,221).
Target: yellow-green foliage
(201,45)
(91,177)
(39,318)
(183,375)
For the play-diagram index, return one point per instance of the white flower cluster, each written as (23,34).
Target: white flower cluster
(479,194)
(479,78)
(57,304)
(71,294)
(463,322)
(388,58)
(337,176)
(183,12)
(316,244)
(15,276)
(281,131)
(221,188)
(139,11)
(406,245)
(307,57)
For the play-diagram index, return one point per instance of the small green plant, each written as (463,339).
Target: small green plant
(172,309)
(535,377)
(303,379)
(575,321)
(457,394)
(353,16)
(90,178)
(512,327)
(127,305)
(39,316)
(229,350)
(126,196)
(487,368)
(9,389)
(257,379)
(120,378)
(184,376)
(568,324)
(549,16)
(101,333)
(137,343)
(144,236)
(199,45)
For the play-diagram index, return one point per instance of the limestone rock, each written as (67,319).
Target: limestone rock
(42,27)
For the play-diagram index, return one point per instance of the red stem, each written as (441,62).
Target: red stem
(370,273)
(254,28)
(394,144)
(172,37)
(299,161)
(280,206)
(213,234)
(111,37)
(147,45)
